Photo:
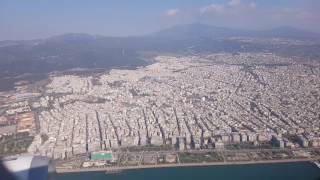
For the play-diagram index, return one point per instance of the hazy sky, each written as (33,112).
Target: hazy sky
(28,19)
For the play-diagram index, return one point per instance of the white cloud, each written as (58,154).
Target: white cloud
(172,12)
(251,14)
(217,8)
(234,2)
(234,7)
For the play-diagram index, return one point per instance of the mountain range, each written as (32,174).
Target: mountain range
(91,51)
(207,31)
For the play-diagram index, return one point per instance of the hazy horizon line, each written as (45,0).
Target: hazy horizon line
(162,29)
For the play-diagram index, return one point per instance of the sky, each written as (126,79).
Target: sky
(30,19)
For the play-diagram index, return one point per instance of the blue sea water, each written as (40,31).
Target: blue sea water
(280,171)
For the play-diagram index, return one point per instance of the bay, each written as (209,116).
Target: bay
(279,171)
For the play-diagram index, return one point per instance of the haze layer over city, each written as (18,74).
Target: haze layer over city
(111,86)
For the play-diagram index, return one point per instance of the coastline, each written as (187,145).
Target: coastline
(120,168)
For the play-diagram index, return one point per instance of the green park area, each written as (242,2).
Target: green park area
(199,157)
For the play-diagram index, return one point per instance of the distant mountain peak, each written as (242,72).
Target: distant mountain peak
(198,30)
(73,36)
(194,30)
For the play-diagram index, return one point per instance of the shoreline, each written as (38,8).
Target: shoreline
(120,168)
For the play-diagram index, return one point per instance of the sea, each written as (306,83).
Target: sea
(278,171)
